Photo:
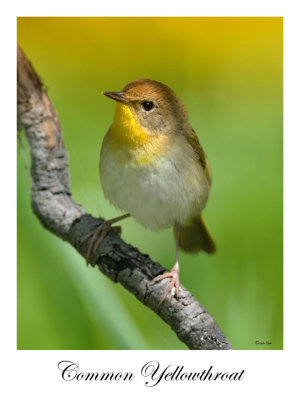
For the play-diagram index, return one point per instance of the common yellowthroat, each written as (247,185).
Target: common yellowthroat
(152,167)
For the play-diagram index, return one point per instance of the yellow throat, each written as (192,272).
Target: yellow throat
(127,135)
(125,130)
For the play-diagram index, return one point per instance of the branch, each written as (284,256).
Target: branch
(58,212)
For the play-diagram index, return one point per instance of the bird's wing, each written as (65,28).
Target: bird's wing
(193,140)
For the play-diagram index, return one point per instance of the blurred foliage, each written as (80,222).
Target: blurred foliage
(228,71)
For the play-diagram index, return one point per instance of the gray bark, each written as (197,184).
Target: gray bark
(58,212)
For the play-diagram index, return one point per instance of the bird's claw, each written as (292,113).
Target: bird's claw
(174,285)
(98,236)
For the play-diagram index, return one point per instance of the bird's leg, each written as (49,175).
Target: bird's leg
(99,234)
(173,274)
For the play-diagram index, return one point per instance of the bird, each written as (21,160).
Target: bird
(153,168)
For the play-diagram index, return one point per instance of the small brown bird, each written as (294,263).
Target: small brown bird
(152,167)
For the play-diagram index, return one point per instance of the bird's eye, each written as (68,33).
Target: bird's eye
(147,105)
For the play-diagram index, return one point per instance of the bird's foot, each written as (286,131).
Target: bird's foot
(98,236)
(174,284)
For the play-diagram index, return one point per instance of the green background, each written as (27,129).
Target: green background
(228,72)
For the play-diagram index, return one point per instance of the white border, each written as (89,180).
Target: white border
(33,374)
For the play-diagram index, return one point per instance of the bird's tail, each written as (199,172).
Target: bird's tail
(195,237)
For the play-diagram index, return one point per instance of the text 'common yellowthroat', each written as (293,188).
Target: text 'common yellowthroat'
(153,167)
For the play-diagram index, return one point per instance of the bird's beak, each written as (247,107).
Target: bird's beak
(118,96)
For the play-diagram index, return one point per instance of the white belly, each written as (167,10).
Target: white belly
(159,194)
